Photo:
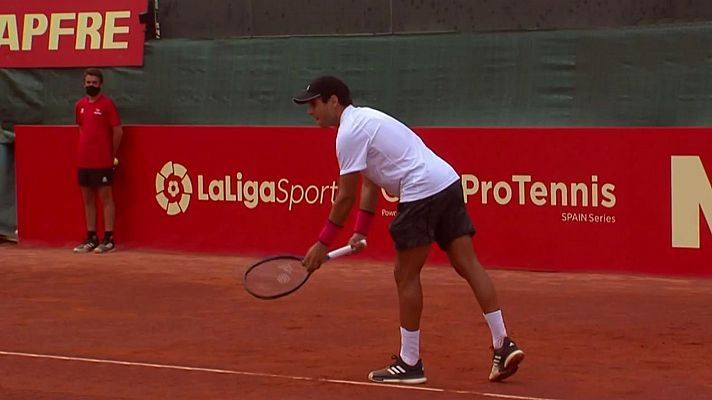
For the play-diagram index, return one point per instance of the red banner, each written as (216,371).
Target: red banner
(608,199)
(71,33)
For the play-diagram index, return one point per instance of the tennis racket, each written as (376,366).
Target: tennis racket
(278,276)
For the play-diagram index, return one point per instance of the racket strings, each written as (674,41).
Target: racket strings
(275,277)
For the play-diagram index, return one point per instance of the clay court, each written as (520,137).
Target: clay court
(149,325)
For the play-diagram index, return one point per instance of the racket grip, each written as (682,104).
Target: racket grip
(342,251)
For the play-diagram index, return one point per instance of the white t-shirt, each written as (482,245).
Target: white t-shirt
(390,154)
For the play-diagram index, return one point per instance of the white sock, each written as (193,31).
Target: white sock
(496,325)
(410,346)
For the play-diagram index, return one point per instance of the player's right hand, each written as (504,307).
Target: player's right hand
(315,256)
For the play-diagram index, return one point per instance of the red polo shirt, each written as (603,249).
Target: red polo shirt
(96,138)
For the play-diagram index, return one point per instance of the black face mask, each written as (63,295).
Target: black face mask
(92,90)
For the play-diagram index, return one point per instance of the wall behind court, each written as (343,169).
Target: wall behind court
(566,199)
(197,19)
(642,76)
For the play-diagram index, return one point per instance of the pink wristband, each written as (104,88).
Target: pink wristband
(363,222)
(329,232)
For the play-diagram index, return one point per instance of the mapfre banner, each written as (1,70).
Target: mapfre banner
(608,199)
(71,33)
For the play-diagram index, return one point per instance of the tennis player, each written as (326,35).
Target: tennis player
(384,153)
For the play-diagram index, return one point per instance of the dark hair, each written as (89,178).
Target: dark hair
(344,100)
(324,87)
(94,72)
(338,88)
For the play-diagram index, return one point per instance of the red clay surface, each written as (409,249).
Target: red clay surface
(587,336)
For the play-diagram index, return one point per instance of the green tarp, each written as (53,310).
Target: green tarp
(650,76)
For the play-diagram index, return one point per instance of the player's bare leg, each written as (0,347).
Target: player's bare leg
(407,367)
(507,356)
(463,258)
(409,263)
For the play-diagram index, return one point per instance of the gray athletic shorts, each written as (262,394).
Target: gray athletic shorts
(439,218)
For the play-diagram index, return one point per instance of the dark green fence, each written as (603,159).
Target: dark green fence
(650,76)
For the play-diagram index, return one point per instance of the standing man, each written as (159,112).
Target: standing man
(99,137)
(384,153)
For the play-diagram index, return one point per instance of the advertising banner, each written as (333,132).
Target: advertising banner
(71,33)
(563,199)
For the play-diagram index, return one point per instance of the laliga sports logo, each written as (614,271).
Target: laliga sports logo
(173,188)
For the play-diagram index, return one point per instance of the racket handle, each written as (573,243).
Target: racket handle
(342,251)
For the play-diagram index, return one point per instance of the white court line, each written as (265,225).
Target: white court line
(265,375)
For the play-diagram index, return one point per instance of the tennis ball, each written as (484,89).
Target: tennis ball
(116,161)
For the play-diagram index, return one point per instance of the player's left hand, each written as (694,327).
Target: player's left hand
(315,256)
(357,242)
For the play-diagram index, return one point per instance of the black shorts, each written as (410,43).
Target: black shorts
(439,218)
(94,177)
